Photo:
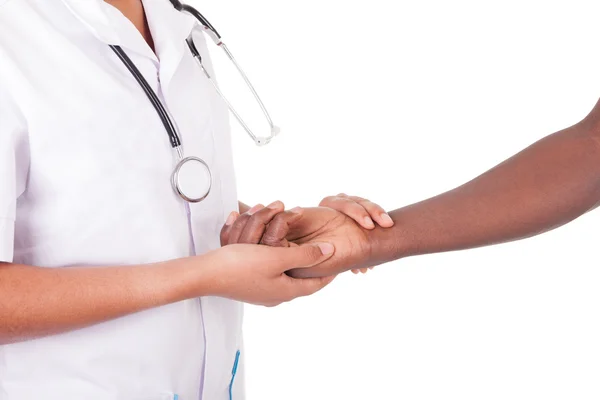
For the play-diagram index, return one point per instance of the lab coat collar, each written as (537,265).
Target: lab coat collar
(90,13)
(168,25)
(170,28)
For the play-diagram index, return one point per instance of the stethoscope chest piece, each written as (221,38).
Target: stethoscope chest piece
(192,179)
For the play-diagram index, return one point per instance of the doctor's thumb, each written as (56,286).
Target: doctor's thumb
(306,256)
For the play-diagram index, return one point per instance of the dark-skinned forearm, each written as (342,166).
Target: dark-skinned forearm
(543,187)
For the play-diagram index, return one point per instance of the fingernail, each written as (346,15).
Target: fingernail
(326,248)
(296,210)
(387,218)
(274,205)
(256,208)
(231,219)
(369,222)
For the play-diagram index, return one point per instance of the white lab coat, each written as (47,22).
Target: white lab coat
(84,180)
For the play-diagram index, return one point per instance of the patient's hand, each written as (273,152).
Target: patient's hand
(337,222)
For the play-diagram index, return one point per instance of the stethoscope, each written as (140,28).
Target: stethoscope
(194,169)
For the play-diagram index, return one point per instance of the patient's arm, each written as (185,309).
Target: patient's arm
(541,188)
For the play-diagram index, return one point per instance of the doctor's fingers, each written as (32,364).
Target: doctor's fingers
(302,287)
(361,270)
(363,211)
(303,257)
(276,232)
(292,288)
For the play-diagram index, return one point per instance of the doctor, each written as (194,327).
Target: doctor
(111,286)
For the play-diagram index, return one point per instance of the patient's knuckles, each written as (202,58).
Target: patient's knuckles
(271,240)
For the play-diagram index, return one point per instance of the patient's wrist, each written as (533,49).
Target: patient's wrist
(389,244)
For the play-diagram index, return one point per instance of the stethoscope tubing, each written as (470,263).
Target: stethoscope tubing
(156,103)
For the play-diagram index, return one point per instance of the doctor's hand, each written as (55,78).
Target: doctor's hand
(256,274)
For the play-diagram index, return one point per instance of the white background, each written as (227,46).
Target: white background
(398,101)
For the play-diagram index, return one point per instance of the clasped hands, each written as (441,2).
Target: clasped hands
(301,250)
